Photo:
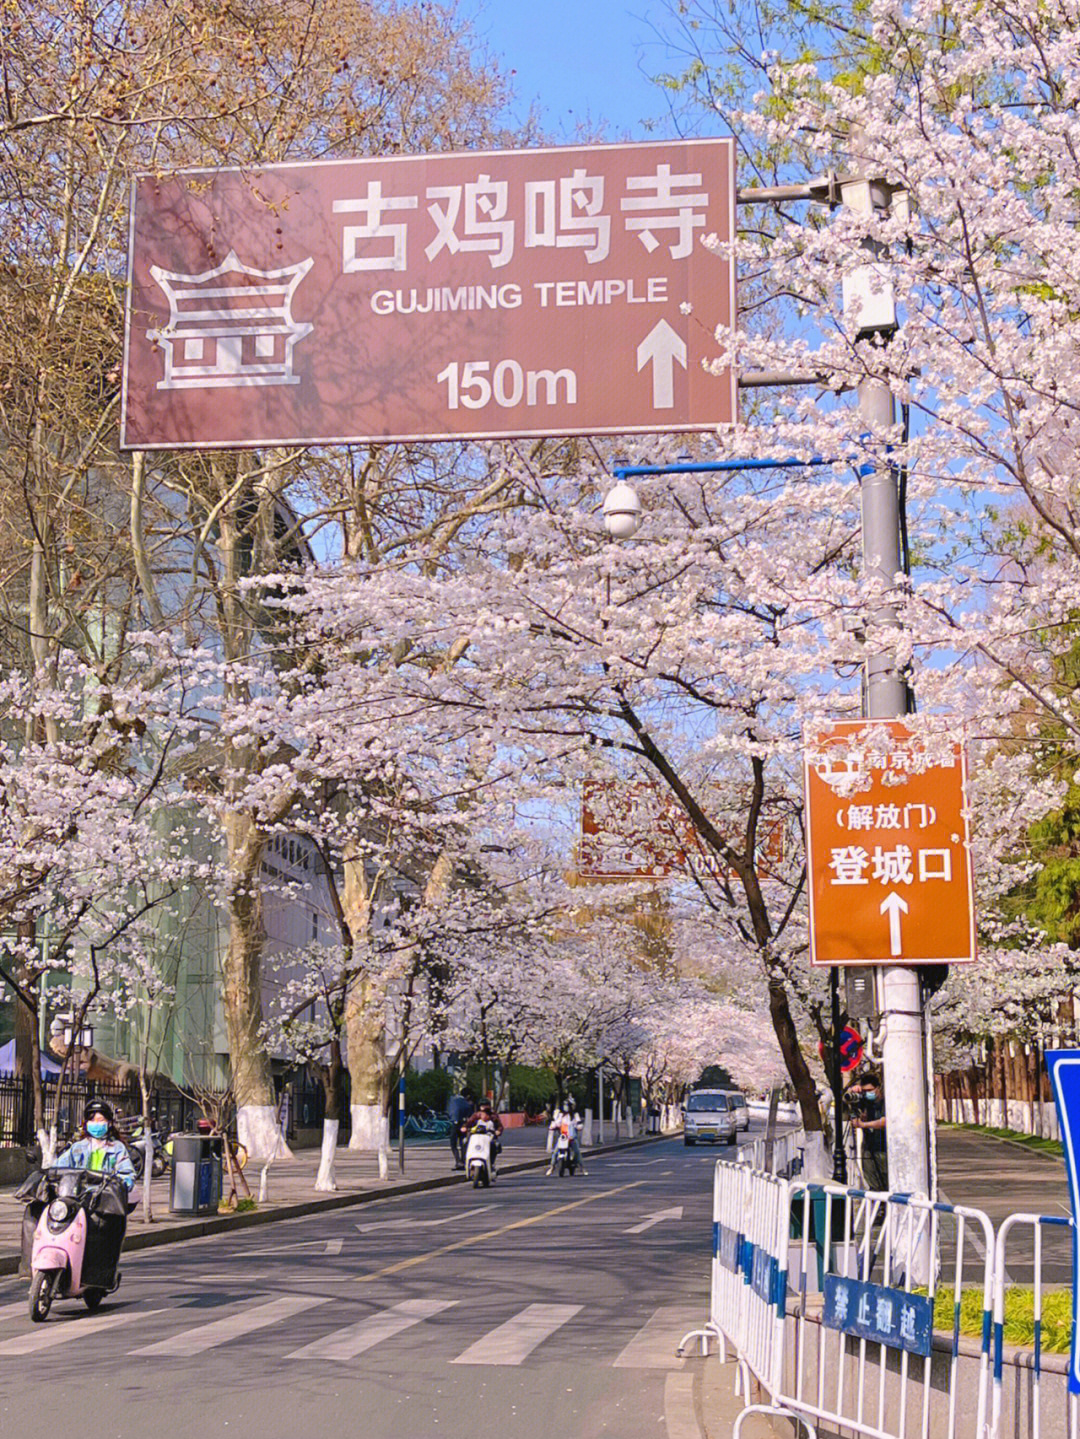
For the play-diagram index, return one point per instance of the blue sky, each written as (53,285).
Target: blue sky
(586,62)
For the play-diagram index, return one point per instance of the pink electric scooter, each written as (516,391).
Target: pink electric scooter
(74,1229)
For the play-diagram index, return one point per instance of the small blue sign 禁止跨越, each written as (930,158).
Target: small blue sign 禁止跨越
(727,1246)
(886,1316)
(1064,1067)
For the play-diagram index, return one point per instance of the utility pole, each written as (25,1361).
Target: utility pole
(885,696)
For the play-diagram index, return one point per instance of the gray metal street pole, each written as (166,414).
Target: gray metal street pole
(907,1110)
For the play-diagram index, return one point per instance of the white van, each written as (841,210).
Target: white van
(708,1116)
(737,1100)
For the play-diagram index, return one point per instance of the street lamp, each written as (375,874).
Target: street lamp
(622,511)
(66,1025)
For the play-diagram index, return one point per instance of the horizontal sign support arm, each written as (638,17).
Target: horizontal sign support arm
(764,379)
(690,467)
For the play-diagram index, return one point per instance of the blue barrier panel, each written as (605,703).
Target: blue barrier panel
(1064,1067)
(727,1246)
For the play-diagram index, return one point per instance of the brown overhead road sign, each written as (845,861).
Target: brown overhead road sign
(888,851)
(469,295)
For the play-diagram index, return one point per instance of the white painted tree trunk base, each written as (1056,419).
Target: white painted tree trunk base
(47,1139)
(325,1182)
(587,1129)
(817,1161)
(371,1133)
(370,1128)
(256,1126)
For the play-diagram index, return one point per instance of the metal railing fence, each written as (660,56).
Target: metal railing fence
(1032,1391)
(884,1315)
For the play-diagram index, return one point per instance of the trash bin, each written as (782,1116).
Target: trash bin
(654,1121)
(195,1174)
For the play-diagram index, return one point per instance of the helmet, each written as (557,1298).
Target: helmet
(485,1107)
(98,1106)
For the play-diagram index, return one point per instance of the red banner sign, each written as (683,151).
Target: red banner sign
(533,292)
(640,831)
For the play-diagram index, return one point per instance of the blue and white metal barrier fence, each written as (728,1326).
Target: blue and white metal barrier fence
(1030,1387)
(827,1296)
(726,1299)
(857,1350)
(773,1156)
(864,1356)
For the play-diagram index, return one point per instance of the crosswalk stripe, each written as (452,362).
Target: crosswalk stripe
(57,1331)
(233,1326)
(358,1338)
(653,1346)
(514,1341)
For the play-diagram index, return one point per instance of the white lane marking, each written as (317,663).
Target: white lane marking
(653,1346)
(680,1420)
(358,1338)
(514,1341)
(23,1307)
(425,1223)
(973,1237)
(221,1331)
(242,1276)
(56,1331)
(328,1246)
(657,1218)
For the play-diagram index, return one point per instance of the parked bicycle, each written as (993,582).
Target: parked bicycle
(427,1124)
(132,1133)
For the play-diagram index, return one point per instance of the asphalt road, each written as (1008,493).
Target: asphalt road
(543,1306)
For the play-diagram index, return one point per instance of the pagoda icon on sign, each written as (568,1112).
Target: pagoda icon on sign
(230,326)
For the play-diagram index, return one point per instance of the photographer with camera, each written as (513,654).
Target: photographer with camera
(865,1099)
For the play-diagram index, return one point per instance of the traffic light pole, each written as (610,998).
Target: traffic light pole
(885,696)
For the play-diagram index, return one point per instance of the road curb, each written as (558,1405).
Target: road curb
(221,1223)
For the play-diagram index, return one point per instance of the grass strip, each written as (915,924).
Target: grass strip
(1051,1147)
(1019,1327)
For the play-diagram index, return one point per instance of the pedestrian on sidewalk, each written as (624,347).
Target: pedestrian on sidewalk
(458,1109)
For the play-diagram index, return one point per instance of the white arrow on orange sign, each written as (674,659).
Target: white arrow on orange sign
(894,906)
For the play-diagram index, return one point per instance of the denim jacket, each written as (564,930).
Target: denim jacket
(117,1159)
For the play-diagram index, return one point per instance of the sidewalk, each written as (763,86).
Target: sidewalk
(290,1189)
(999,1176)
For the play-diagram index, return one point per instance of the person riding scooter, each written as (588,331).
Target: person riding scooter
(485,1112)
(570,1116)
(101,1149)
(76,1218)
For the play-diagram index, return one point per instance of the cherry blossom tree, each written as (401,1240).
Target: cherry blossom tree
(697,654)
(92,835)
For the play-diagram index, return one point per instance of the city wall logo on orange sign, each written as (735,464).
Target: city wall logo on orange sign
(888,846)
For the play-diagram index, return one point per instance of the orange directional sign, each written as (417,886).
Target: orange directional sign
(887,842)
